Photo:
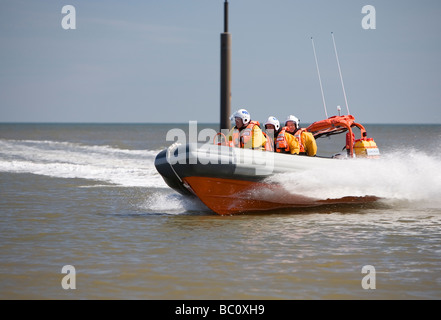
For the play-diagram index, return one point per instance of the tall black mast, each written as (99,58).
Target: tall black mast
(225,81)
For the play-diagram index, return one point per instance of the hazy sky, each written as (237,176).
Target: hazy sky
(159,60)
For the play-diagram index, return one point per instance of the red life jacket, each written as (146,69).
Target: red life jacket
(241,138)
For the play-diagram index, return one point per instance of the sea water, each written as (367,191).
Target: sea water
(89,196)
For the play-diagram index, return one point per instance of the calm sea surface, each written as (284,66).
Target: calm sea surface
(89,196)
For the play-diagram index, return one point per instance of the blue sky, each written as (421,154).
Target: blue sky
(158,60)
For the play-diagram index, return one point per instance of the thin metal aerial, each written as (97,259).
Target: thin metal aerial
(339,70)
(320,79)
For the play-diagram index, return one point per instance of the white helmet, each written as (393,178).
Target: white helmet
(243,114)
(273,120)
(294,119)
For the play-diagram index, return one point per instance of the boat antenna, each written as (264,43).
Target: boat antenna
(339,70)
(225,74)
(320,79)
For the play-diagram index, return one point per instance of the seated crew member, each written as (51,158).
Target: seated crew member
(246,133)
(295,140)
(272,129)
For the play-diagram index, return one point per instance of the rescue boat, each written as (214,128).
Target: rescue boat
(231,180)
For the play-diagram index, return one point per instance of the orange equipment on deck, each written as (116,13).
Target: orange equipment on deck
(363,147)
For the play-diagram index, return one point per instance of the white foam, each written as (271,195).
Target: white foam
(72,160)
(172,203)
(401,175)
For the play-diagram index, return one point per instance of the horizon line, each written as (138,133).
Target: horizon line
(185,122)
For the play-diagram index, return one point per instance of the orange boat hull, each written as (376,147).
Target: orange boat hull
(232,180)
(228,196)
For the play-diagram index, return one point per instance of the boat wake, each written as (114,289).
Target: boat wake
(397,176)
(401,176)
(101,163)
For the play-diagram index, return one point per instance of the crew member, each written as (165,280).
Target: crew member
(272,129)
(246,133)
(295,140)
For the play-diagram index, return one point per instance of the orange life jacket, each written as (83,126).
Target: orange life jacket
(241,138)
(269,144)
(298,135)
(283,146)
(281,143)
